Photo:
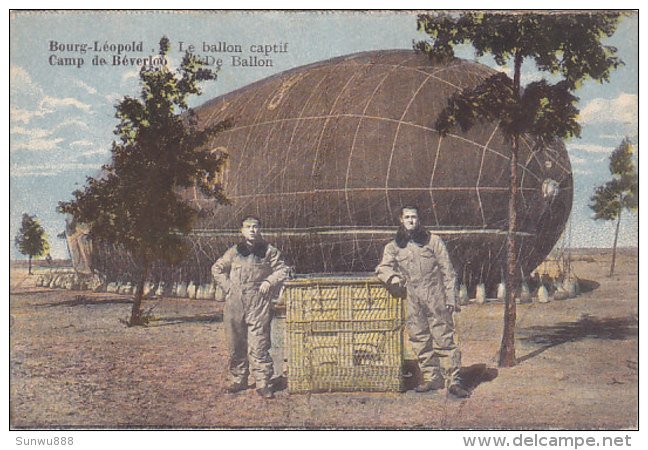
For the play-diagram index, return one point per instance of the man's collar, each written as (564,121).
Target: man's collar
(420,236)
(259,248)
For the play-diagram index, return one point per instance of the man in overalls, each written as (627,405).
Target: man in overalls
(418,261)
(247,273)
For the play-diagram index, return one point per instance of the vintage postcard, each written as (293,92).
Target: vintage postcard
(325,220)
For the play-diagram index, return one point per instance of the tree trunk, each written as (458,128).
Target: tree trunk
(507,348)
(30,258)
(136,312)
(614,246)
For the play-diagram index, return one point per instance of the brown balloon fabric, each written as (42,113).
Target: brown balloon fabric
(327,154)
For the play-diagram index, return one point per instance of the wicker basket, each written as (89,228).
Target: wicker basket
(343,334)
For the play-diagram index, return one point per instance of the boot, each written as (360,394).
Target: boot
(237,386)
(458,390)
(265,392)
(434,384)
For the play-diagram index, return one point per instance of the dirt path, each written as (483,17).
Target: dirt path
(75,365)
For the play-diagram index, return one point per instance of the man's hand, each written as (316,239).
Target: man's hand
(224,287)
(265,287)
(396,286)
(397,281)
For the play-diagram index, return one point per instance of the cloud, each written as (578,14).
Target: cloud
(89,89)
(25,96)
(57,103)
(590,148)
(82,143)
(19,77)
(611,136)
(37,144)
(113,98)
(90,155)
(21,83)
(577,160)
(72,123)
(126,76)
(28,100)
(47,105)
(623,109)
(49,169)
(32,132)
(633,134)
(95,151)
(24,115)
(529,76)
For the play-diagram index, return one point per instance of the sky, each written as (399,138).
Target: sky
(62,97)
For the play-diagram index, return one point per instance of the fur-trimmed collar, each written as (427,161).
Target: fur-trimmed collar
(259,249)
(420,236)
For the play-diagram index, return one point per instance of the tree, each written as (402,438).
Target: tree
(621,192)
(31,239)
(135,203)
(567,45)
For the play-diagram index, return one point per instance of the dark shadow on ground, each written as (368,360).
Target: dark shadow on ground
(82,300)
(471,376)
(411,374)
(588,285)
(37,291)
(587,327)
(279,383)
(174,320)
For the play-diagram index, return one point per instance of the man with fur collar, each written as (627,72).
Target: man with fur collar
(247,273)
(418,262)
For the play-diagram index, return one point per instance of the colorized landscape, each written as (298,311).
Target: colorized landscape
(514,133)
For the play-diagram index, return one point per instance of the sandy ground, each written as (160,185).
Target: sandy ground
(73,364)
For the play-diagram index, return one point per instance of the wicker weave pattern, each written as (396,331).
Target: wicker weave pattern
(343,335)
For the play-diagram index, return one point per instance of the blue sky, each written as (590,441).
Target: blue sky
(61,117)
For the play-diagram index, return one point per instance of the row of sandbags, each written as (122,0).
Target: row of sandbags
(162,289)
(64,280)
(558,290)
(74,281)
